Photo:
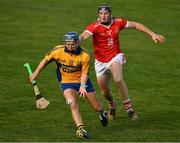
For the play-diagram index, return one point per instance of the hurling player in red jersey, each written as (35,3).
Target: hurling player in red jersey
(109,58)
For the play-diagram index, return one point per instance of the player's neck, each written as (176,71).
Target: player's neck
(107,23)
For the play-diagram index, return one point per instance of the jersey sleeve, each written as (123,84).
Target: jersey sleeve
(122,23)
(85,65)
(49,56)
(54,53)
(91,29)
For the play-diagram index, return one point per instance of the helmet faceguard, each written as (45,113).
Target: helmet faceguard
(72,37)
(104,9)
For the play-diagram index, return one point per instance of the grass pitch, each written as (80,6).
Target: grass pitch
(29,29)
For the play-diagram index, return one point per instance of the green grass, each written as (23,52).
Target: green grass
(29,29)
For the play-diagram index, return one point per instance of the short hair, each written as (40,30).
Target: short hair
(104,6)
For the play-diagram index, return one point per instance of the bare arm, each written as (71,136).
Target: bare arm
(84,35)
(84,78)
(82,89)
(39,68)
(156,37)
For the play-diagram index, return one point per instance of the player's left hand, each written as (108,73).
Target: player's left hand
(82,91)
(158,38)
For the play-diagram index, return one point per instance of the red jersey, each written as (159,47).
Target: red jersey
(106,38)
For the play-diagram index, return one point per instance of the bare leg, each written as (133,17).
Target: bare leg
(116,70)
(71,97)
(94,101)
(104,83)
(96,105)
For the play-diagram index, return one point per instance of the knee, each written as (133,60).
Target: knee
(73,105)
(119,82)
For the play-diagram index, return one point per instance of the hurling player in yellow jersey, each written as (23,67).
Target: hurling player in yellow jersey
(72,73)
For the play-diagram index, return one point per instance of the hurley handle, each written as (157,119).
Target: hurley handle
(27,66)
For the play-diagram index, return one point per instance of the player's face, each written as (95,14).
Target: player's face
(104,16)
(71,45)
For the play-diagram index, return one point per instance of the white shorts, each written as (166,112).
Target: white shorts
(101,68)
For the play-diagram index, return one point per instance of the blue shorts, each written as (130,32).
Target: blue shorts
(74,86)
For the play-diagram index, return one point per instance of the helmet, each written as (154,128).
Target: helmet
(104,7)
(71,36)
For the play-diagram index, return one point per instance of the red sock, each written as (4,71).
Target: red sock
(128,105)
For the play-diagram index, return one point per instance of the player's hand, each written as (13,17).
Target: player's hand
(158,38)
(32,76)
(82,91)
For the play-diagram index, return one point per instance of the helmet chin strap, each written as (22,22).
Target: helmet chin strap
(76,52)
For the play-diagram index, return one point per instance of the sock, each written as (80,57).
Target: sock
(80,126)
(112,104)
(128,105)
(103,113)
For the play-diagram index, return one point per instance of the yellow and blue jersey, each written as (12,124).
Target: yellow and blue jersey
(70,66)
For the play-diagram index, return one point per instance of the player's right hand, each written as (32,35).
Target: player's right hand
(82,91)
(32,76)
(158,38)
